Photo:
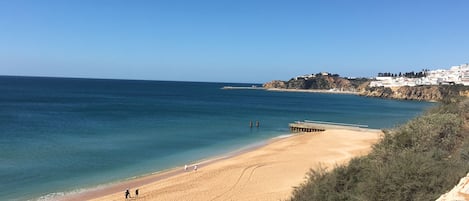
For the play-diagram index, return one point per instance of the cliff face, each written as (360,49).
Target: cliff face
(459,192)
(421,93)
(405,93)
(275,84)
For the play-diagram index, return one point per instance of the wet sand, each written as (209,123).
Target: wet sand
(264,173)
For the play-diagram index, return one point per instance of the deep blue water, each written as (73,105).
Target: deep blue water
(59,135)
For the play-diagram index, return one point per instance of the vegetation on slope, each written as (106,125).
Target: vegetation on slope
(417,161)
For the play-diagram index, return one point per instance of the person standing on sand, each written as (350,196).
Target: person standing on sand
(185,167)
(136,193)
(195,168)
(127,194)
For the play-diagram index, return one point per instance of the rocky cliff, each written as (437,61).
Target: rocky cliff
(420,93)
(278,84)
(427,93)
(459,192)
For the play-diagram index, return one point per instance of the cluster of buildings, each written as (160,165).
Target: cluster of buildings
(455,75)
(310,76)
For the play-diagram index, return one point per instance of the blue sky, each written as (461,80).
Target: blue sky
(229,40)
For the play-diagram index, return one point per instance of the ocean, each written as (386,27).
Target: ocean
(61,135)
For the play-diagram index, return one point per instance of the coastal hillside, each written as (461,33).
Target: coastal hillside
(420,93)
(361,86)
(419,160)
(321,82)
(459,192)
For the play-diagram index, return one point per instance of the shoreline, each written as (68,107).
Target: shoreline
(326,91)
(151,185)
(313,91)
(323,91)
(94,192)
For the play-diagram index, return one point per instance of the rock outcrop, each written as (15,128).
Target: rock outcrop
(459,192)
(324,82)
(278,84)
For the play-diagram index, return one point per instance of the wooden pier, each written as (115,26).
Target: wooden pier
(320,126)
(300,127)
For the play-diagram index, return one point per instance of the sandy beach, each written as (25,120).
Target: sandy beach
(266,173)
(293,90)
(313,91)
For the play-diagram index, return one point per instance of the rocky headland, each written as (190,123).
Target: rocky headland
(320,82)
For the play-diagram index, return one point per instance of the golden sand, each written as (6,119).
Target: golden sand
(266,173)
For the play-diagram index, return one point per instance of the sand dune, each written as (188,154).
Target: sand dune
(266,173)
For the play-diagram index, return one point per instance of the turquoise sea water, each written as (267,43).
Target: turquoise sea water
(60,135)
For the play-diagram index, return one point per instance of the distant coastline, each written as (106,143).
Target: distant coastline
(327,91)
(361,87)
(253,87)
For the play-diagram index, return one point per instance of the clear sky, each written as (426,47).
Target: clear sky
(229,40)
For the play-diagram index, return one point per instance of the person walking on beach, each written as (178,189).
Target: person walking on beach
(185,167)
(136,193)
(195,168)
(127,194)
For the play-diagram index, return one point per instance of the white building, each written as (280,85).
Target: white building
(455,75)
(306,77)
